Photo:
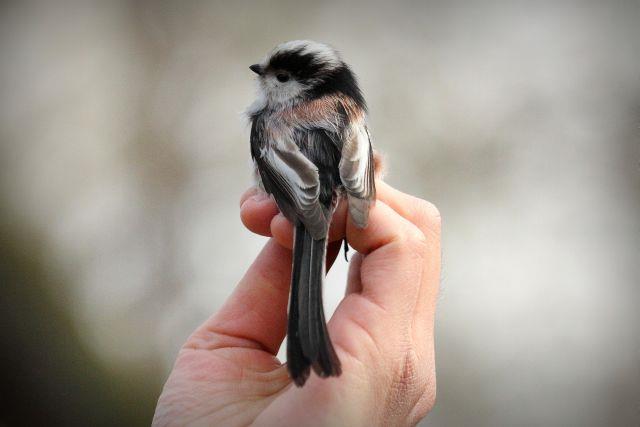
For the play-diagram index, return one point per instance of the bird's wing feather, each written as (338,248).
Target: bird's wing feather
(294,182)
(357,171)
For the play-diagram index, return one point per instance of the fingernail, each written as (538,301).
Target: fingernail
(247,195)
(260,196)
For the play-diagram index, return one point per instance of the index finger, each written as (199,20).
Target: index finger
(426,217)
(423,214)
(394,251)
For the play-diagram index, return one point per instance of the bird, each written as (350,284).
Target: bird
(311,148)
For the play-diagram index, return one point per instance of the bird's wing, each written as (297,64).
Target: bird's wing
(292,179)
(357,171)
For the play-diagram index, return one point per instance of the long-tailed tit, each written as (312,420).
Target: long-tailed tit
(311,147)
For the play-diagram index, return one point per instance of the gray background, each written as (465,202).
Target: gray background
(123,154)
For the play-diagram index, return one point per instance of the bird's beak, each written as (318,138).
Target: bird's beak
(256,68)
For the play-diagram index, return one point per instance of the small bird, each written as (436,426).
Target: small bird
(311,147)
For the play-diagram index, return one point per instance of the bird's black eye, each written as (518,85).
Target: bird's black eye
(282,77)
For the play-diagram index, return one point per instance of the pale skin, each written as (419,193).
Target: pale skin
(227,372)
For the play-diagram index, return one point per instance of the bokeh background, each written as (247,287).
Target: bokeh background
(123,154)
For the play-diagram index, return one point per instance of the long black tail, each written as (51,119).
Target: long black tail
(308,342)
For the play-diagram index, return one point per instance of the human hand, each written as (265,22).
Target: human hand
(227,372)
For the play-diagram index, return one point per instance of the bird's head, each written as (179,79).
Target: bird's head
(301,69)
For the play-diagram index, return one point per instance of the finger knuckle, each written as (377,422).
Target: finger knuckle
(427,400)
(416,240)
(412,391)
(410,244)
(428,214)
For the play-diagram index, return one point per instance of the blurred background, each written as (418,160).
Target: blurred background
(123,154)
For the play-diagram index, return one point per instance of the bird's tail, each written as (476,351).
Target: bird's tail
(308,342)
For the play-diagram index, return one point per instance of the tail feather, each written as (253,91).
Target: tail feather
(308,342)
(297,363)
